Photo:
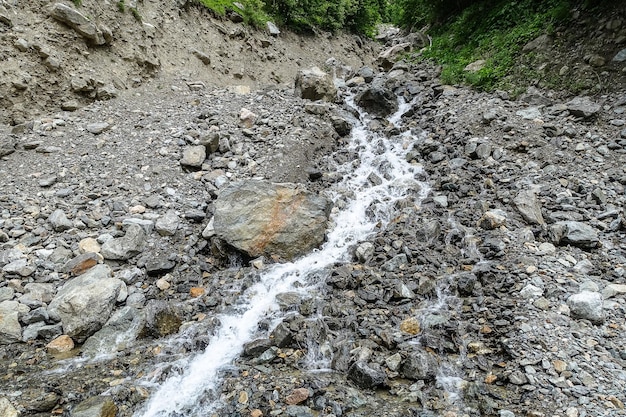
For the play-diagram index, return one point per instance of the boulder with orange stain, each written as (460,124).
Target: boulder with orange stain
(262,218)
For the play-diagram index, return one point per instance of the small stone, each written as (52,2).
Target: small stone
(126,247)
(256,413)
(492,219)
(297,396)
(61,344)
(559,365)
(193,156)
(196,292)
(167,224)
(393,362)
(89,245)
(612,290)
(410,326)
(365,376)
(529,207)
(243,397)
(7,409)
(97,128)
(162,284)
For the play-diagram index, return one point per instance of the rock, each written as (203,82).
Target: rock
(79,23)
(193,156)
(364,252)
(366,376)
(612,290)
(596,60)
(315,84)
(389,56)
(159,265)
(261,218)
(7,409)
(377,99)
(281,336)
(492,219)
(272,29)
(209,230)
(123,328)
(206,60)
(587,305)
(297,396)
(59,221)
(97,128)
(162,319)
(10,328)
(124,248)
(256,347)
(574,233)
(85,303)
(247,118)
(210,141)
(529,207)
(410,325)
(81,264)
(19,267)
(7,146)
(167,224)
(420,365)
(89,245)
(102,406)
(61,344)
(582,107)
(6,294)
(341,125)
(475,66)
(5,17)
(620,56)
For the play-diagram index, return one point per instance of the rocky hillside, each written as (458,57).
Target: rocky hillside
(57,56)
(131,228)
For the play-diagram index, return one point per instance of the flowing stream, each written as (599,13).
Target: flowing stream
(365,205)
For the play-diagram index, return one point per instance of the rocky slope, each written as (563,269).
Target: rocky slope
(502,293)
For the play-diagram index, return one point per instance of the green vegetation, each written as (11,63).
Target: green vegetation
(136,14)
(77,3)
(120,6)
(252,11)
(307,15)
(491,30)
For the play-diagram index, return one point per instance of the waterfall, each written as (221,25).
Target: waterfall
(364,206)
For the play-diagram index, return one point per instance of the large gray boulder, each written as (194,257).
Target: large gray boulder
(85,303)
(582,107)
(81,24)
(261,218)
(587,305)
(315,84)
(377,99)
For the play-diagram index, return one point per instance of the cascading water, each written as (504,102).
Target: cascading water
(365,204)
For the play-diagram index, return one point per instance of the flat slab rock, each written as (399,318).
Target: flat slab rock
(261,218)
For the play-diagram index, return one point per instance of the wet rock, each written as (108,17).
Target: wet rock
(587,305)
(582,107)
(123,328)
(281,336)
(39,400)
(574,233)
(78,22)
(366,376)
(125,247)
(102,406)
(420,365)
(377,99)
(257,347)
(364,252)
(388,57)
(341,125)
(10,328)
(162,319)
(315,84)
(84,304)
(529,207)
(261,218)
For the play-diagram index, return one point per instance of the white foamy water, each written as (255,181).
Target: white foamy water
(364,207)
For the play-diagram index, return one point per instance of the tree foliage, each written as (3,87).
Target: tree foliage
(356,15)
